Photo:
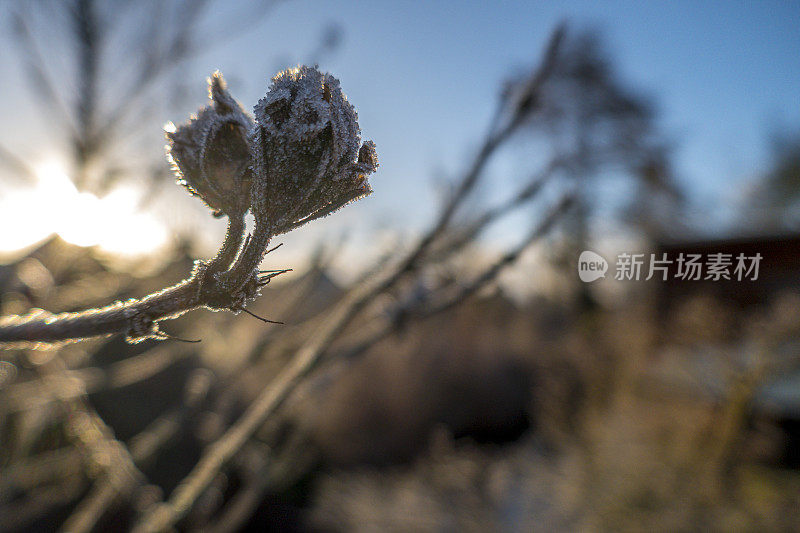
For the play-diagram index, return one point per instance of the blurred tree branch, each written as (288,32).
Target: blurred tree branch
(507,121)
(544,101)
(100,104)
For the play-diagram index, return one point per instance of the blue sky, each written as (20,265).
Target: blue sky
(424,78)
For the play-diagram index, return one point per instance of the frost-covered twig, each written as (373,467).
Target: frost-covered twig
(299,160)
(279,390)
(136,319)
(511,115)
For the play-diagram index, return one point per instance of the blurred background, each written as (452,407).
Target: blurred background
(473,382)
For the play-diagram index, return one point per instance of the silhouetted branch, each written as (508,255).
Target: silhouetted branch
(136,319)
(439,303)
(165,515)
(37,71)
(473,229)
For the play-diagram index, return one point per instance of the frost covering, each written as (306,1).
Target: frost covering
(211,153)
(301,158)
(308,156)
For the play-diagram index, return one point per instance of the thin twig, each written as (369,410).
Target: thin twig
(244,502)
(74,383)
(210,285)
(37,71)
(113,487)
(427,309)
(489,216)
(162,516)
(41,469)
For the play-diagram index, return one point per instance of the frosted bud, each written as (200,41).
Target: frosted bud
(211,153)
(308,156)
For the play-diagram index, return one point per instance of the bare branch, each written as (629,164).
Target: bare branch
(482,221)
(34,394)
(138,319)
(421,310)
(37,71)
(40,469)
(165,515)
(115,486)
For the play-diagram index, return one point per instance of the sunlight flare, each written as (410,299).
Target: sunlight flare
(114,223)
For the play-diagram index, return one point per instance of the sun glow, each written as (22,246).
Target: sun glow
(114,223)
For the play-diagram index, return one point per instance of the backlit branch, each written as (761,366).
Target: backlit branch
(509,119)
(286,166)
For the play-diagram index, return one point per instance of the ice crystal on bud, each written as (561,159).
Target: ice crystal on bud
(308,156)
(211,153)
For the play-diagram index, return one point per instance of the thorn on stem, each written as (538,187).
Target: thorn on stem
(273,249)
(260,318)
(269,274)
(163,336)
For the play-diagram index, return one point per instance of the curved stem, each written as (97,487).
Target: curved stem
(247,262)
(138,318)
(134,318)
(230,246)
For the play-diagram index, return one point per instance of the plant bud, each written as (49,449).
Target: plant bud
(308,157)
(211,153)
